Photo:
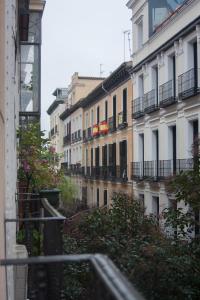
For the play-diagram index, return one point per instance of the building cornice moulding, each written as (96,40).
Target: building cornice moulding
(37,5)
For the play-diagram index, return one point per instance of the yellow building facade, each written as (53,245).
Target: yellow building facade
(107,139)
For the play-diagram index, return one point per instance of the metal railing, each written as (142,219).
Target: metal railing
(138,107)
(106,282)
(160,170)
(122,120)
(150,101)
(76,136)
(67,140)
(188,83)
(41,230)
(111,173)
(112,124)
(166,94)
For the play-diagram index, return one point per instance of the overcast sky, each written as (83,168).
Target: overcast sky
(78,36)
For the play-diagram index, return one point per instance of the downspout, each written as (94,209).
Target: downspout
(103,88)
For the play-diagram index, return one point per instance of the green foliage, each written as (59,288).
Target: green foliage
(38,160)
(36,240)
(160,267)
(68,191)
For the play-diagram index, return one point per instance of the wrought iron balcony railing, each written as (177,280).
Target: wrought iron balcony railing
(112,124)
(166,94)
(113,173)
(122,120)
(76,136)
(67,140)
(106,281)
(160,170)
(188,83)
(138,108)
(150,102)
(87,135)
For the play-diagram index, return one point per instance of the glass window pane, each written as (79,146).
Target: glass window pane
(30,79)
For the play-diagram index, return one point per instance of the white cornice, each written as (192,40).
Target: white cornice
(37,5)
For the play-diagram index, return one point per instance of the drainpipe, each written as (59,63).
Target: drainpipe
(104,89)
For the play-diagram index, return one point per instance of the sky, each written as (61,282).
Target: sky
(78,36)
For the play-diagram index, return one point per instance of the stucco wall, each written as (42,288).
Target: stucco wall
(2,150)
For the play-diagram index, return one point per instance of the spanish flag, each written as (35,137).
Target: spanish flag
(95,130)
(103,127)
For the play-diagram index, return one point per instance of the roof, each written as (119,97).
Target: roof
(121,74)
(54,105)
(91,78)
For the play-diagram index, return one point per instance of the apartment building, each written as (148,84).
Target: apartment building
(107,138)
(72,120)
(20,28)
(166,105)
(56,127)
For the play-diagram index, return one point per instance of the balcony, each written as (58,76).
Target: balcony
(76,137)
(166,94)
(112,124)
(138,108)
(106,280)
(160,170)
(76,169)
(95,131)
(103,128)
(188,84)
(122,120)
(111,173)
(67,140)
(150,102)
(87,135)
(43,277)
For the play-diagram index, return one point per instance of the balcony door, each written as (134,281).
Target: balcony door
(123,159)
(104,155)
(155,165)
(172,148)
(97,157)
(195,65)
(114,111)
(124,105)
(112,159)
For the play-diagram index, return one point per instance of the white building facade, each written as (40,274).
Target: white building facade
(56,125)
(166,104)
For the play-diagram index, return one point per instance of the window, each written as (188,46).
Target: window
(124,105)
(114,110)
(141,86)
(106,111)
(155,82)
(159,11)
(105,197)
(155,206)
(86,121)
(92,117)
(123,159)
(97,114)
(97,197)
(172,146)
(140,34)
(141,200)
